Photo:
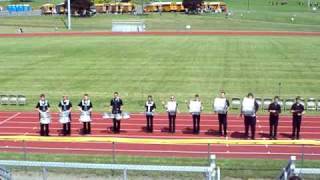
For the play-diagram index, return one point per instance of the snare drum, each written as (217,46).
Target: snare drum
(117,117)
(85,116)
(125,115)
(149,113)
(221,111)
(45,118)
(172,113)
(195,113)
(64,117)
(248,113)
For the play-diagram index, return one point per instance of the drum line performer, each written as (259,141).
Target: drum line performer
(172,108)
(65,107)
(249,109)
(221,106)
(297,110)
(195,108)
(274,111)
(42,107)
(150,106)
(116,105)
(85,107)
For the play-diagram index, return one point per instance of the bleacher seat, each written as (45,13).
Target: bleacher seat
(22,100)
(311,104)
(259,101)
(4,99)
(302,101)
(281,102)
(13,99)
(266,103)
(288,103)
(235,103)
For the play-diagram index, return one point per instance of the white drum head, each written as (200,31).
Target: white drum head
(64,117)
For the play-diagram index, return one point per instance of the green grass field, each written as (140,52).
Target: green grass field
(235,168)
(161,66)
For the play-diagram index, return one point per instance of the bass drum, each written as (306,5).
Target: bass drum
(64,117)
(45,118)
(85,116)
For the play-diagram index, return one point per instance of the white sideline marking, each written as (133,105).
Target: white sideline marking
(9,118)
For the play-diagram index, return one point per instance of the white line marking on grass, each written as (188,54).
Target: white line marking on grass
(9,118)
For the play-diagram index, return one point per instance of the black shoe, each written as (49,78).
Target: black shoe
(275,138)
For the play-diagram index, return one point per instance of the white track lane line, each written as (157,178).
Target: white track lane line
(152,151)
(9,118)
(159,124)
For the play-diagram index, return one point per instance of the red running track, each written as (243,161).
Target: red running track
(27,123)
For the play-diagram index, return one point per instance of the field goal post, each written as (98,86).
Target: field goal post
(128,26)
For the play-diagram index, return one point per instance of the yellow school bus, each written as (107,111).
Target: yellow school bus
(164,7)
(101,8)
(47,9)
(216,6)
(126,7)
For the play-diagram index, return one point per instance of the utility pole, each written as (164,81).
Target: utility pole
(69,15)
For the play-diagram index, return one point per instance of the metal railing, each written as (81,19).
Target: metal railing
(212,172)
(289,169)
(4,173)
(292,170)
(307,171)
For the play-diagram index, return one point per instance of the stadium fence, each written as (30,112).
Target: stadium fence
(212,172)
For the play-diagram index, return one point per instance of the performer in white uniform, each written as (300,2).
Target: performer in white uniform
(150,106)
(249,109)
(43,107)
(65,107)
(85,107)
(172,107)
(195,108)
(221,106)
